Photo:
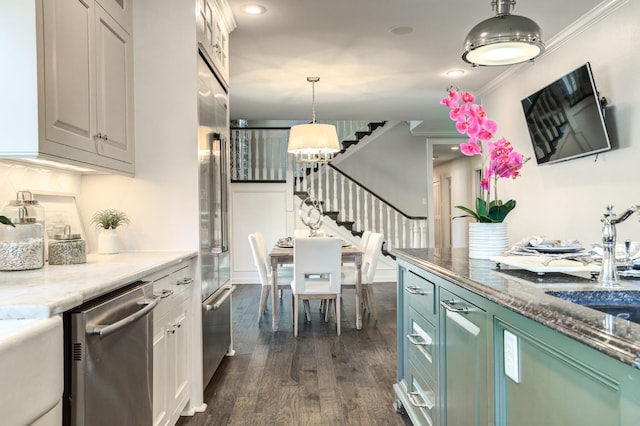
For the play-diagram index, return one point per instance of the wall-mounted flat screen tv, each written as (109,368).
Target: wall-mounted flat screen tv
(565,119)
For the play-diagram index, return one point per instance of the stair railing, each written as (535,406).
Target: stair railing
(259,154)
(359,209)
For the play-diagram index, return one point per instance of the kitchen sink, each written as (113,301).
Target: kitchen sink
(624,304)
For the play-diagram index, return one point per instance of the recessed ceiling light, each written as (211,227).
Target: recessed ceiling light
(455,73)
(401,30)
(253,9)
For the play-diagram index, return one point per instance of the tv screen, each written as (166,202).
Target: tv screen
(565,119)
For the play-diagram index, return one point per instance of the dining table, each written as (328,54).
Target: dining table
(283,255)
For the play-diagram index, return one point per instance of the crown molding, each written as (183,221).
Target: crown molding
(586,21)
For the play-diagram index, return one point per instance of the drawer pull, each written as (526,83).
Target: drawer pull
(426,402)
(449,305)
(416,290)
(184,281)
(418,340)
(164,294)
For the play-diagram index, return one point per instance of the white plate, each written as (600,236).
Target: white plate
(555,249)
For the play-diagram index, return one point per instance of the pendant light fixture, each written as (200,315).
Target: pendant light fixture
(504,39)
(313,143)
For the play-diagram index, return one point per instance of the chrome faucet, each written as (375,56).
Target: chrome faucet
(608,272)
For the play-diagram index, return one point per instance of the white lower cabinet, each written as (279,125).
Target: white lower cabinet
(171,344)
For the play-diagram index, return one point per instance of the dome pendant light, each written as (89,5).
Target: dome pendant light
(313,143)
(504,39)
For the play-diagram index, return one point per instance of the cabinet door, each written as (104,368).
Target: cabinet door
(120,10)
(179,363)
(69,58)
(559,385)
(463,353)
(160,373)
(114,89)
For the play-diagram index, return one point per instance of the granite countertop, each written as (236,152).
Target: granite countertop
(42,293)
(524,292)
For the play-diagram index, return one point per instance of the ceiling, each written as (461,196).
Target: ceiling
(366,71)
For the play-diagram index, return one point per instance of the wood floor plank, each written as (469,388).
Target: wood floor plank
(318,378)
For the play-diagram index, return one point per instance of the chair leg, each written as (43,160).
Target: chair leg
(263,301)
(372,302)
(307,310)
(327,307)
(338,314)
(295,315)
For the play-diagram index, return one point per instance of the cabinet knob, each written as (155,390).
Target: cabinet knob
(98,135)
(184,281)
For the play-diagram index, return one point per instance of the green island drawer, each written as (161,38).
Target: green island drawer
(420,295)
(420,344)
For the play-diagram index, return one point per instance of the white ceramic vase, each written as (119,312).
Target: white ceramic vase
(108,242)
(487,239)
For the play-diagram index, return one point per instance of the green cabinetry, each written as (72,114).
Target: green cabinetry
(453,363)
(463,350)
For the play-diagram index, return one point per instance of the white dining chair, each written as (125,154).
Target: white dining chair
(316,273)
(261,260)
(372,254)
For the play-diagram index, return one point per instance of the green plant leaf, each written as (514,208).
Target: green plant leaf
(6,221)
(470,213)
(499,211)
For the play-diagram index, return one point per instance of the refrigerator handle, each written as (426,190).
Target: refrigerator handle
(104,330)
(227,291)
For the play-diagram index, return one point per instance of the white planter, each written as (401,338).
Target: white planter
(108,242)
(487,239)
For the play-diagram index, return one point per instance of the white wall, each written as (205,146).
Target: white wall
(462,193)
(162,199)
(256,207)
(392,166)
(566,200)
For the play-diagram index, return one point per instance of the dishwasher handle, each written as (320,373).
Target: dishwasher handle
(226,291)
(104,330)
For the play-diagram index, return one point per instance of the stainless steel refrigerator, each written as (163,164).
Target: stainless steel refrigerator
(213,153)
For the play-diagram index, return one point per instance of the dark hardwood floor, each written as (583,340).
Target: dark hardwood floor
(318,378)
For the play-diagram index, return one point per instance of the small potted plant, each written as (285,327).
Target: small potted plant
(106,221)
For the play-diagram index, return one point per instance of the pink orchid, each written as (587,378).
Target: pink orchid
(500,160)
(471,148)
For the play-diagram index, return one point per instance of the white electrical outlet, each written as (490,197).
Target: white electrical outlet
(511,356)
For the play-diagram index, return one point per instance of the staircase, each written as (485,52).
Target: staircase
(259,155)
(350,206)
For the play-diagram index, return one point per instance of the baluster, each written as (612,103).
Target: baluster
(262,159)
(250,148)
(327,191)
(351,191)
(374,228)
(381,216)
(334,199)
(388,228)
(404,232)
(358,218)
(319,183)
(396,224)
(283,155)
(367,225)
(342,203)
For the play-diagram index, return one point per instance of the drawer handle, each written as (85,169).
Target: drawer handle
(184,281)
(416,290)
(449,305)
(164,294)
(427,403)
(418,340)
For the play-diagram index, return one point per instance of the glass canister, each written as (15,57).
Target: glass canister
(22,245)
(67,248)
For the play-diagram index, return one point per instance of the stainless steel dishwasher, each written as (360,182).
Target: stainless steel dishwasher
(109,359)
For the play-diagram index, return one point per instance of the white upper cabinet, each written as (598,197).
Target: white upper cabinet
(214,23)
(83,56)
(120,10)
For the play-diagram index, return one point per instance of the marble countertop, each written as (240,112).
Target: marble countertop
(524,292)
(42,293)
